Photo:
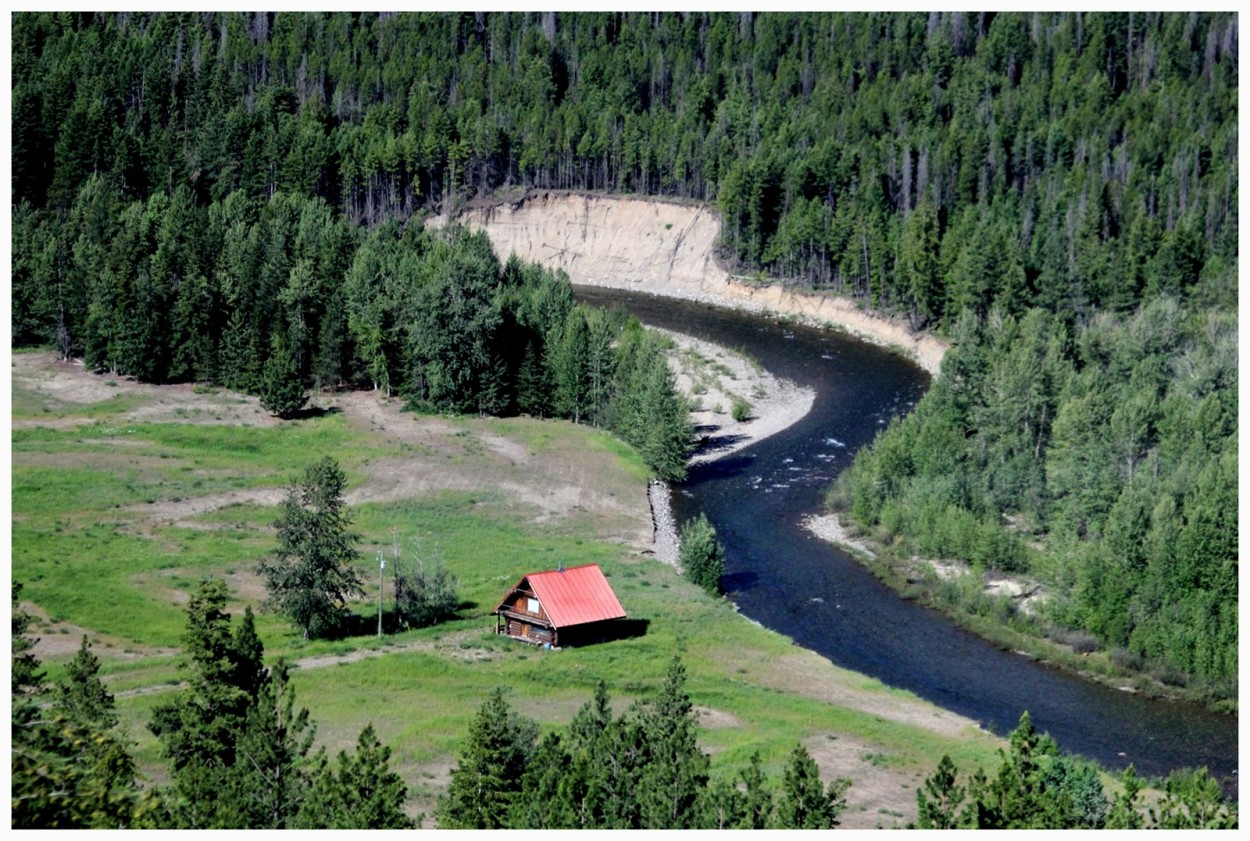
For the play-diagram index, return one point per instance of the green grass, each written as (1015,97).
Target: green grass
(91,555)
(28,404)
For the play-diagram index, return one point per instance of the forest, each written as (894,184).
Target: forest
(199,196)
(235,728)
(239,199)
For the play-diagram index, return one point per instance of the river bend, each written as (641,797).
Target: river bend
(782,576)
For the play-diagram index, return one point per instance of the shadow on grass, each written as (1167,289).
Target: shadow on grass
(617,629)
(311,412)
(355,625)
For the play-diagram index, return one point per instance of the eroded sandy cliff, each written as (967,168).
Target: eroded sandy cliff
(666,249)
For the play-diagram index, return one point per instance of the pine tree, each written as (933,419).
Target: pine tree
(364,793)
(81,695)
(805,802)
(758,800)
(281,387)
(25,676)
(200,729)
(311,575)
(721,806)
(676,771)
(268,781)
(70,768)
(550,789)
(492,764)
(701,556)
(938,802)
(533,389)
(1124,812)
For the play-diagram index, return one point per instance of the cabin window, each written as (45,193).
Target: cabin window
(532,605)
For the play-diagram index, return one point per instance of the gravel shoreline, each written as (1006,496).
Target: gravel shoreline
(775,405)
(664,541)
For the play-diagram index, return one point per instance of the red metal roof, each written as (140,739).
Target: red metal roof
(573,596)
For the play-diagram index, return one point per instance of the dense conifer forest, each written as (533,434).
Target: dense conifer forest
(237,198)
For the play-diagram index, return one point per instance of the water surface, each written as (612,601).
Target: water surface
(788,580)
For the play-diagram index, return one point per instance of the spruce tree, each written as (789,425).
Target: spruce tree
(492,765)
(533,389)
(364,793)
(200,729)
(548,797)
(268,781)
(70,767)
(25,676)
(939,800)
(701,556)
(310,576)
(81,695)
(758,800)
(805,802)
(721,806)
(677,770)
(281,388)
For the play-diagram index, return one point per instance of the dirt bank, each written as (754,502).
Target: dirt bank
(667,249)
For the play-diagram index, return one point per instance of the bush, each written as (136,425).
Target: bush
(701,556)
(1128,660)
(425,594)
(741,409)
(1082,642)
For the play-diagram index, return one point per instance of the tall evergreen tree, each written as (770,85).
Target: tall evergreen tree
(200,729)
(70,767)
(81,694)
(24,675)
(805,802)
(939,800)
(488,776)
(363,793)
(268,782)
(311,575)
(676,772)
(281,386)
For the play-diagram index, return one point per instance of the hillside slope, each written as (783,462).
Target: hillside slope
(665,248)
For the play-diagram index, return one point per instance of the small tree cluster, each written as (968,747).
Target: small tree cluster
(425,591)
(1036,787)
(239,746)
(701,556)
(71,765)
(640,770)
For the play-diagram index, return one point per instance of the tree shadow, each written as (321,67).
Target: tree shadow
(738,581)
(715,443)
(311,412)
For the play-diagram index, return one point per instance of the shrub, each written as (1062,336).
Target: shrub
(701,556)
(425,594)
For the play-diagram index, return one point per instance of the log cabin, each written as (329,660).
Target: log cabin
(559,607)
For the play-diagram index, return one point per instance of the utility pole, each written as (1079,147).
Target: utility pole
(394,573)
(381,568)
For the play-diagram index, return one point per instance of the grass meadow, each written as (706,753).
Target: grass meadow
(120,507)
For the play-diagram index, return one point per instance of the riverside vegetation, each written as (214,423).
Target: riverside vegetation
(231,200)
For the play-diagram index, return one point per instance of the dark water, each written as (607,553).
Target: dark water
(794,583)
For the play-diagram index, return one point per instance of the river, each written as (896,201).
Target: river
(782,576)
